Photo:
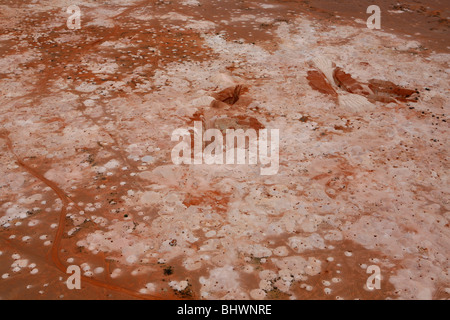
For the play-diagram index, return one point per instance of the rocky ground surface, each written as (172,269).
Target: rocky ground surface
(87,177)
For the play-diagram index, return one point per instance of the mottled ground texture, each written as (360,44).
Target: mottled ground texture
(86,176)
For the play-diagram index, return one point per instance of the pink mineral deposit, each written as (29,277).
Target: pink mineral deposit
(93,207)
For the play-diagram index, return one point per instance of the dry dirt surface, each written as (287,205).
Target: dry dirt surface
(87,178)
